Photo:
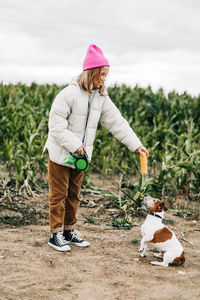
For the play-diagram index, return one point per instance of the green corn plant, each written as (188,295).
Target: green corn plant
(168,126)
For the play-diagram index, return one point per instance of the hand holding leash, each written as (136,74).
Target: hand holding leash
(80,161)
(81,150)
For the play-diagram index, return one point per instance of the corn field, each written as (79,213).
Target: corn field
(168,126)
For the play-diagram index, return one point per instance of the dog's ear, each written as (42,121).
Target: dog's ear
(163,206)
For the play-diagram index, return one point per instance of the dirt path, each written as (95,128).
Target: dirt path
(109,269)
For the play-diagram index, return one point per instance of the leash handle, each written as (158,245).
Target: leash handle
(81,162)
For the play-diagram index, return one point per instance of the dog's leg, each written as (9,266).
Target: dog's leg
(143,248)
(158,263)
(143,239)
(159,255)
(142,245)
(143,242)
(166,260)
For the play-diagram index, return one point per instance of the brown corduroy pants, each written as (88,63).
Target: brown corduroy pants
(64,190)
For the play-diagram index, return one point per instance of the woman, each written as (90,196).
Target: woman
(73,122)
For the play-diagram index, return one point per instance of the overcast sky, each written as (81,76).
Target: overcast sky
(154,42)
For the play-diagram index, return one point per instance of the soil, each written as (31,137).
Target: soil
(110,268)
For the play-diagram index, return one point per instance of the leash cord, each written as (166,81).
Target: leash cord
(139,204)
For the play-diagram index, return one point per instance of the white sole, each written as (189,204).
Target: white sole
(58,248)
(80,245)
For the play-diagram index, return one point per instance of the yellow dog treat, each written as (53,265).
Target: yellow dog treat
(143,163)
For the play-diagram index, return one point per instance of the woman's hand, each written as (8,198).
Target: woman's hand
(80,150)
(142,149)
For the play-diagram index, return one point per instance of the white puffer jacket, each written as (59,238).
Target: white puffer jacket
(67,122)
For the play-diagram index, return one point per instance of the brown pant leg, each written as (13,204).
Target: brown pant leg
(58,177)
(73,202)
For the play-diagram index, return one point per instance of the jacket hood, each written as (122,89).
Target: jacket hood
(73,81)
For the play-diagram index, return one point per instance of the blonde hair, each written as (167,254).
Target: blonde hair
(85,81)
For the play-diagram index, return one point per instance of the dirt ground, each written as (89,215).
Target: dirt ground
(110,268)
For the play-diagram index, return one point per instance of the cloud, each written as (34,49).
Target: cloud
(146,41)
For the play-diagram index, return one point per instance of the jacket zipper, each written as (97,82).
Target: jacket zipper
(90,99)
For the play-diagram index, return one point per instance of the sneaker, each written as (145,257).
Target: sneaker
(58,242)
(73,237)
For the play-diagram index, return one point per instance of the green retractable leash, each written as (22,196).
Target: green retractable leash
(81,162)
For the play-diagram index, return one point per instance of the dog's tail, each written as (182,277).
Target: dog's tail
(183,259)
(179,260)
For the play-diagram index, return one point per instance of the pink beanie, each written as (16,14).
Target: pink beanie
(94,58)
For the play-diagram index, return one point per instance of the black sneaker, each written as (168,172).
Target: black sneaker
(58,242)
(73,237)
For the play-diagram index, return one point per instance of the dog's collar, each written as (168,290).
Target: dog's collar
(153,214)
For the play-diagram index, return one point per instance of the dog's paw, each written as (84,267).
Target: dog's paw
(155,263)
(141,249)
(142,255)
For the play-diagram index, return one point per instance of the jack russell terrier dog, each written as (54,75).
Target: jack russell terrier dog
(155,232)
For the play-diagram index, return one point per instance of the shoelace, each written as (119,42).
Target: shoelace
(60,239)
(76,235)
